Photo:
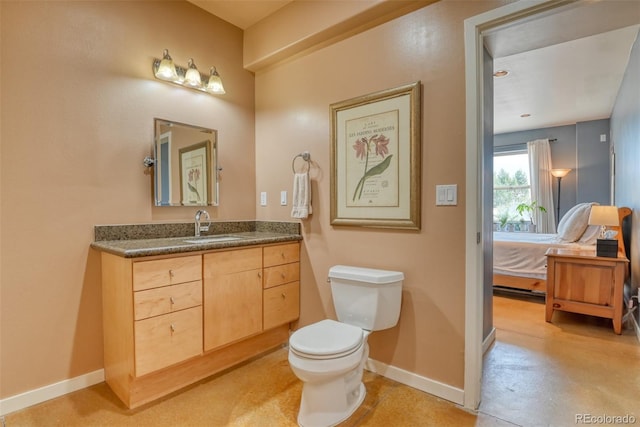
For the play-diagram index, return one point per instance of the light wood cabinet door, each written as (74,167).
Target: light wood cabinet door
(232,296)
(164,272)
(281,304)
(232,307)
(164,340)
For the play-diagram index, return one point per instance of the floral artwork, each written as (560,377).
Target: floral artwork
(192,182)
(193,174)
(376,160)
(372,167)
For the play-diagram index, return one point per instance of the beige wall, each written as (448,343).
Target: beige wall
(78,103)
(77,110)
(292,115)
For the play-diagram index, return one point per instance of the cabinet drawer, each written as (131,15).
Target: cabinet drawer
(281,254)
(592,284)
(236,261)
(154,302)
(163,272)
(162,341)
(281,305)
(280,274)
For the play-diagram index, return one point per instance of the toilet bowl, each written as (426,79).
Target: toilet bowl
(329,356)
(331,369)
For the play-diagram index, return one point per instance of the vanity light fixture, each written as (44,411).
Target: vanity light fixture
(165,69)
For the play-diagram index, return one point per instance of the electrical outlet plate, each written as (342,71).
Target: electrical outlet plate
(283,198)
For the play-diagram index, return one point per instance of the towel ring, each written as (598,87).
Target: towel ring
(306,156)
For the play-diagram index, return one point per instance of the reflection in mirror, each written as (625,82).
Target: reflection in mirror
(186,165)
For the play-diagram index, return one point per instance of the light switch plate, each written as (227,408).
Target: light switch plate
(447,195)
(283,198)
(263,198)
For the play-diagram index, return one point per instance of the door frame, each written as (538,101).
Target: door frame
(474,30)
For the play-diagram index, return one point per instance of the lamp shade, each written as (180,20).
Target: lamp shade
(166,69)
(215,82)
(560,173)
(192,77)
(604,215)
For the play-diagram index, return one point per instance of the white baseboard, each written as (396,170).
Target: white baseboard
(42,394)
(427,385)
(490,339)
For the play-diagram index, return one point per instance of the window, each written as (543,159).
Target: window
(511,186)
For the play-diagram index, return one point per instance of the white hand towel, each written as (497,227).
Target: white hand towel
(301,196)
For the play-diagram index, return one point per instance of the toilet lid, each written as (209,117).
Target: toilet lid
(326,339)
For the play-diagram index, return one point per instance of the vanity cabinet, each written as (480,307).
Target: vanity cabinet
(172,320)
(281,284)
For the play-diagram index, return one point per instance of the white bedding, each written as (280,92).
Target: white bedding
(522,254)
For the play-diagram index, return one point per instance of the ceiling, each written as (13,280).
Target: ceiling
(241,13)
(564,67)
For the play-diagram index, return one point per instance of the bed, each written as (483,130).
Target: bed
(519,260)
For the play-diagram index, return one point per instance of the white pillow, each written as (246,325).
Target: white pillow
(574,223)
(590,235)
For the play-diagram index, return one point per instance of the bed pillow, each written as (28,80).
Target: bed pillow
(574,223)
(590,235)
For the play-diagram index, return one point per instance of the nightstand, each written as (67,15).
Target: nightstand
(578,281)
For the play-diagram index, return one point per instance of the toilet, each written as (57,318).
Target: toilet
(329,356)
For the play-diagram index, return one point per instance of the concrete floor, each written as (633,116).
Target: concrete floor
(536,374)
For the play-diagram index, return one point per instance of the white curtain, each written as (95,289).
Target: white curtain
(541,184)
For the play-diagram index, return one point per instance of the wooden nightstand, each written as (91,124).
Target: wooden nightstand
(581,282)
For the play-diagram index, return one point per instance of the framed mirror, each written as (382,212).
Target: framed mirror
(186,164)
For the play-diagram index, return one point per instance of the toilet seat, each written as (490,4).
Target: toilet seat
(326,339)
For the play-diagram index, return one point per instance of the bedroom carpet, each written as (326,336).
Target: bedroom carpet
(536,374)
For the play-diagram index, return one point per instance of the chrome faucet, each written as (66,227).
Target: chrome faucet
(199,226)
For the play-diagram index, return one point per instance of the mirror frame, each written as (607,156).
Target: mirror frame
(191,165)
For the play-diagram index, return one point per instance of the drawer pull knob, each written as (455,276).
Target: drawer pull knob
(283,275)
(171,273)
(284,296)
(173,301)
(259,274)
(173,328)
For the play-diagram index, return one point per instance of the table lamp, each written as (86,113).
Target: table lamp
(605,216)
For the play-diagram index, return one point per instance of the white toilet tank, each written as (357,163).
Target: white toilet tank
(366,297)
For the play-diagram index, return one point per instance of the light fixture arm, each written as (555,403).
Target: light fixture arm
(148,161)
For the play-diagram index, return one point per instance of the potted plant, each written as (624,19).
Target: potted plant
(503,219)
(529,209)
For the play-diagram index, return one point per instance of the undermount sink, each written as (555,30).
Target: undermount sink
(212,239)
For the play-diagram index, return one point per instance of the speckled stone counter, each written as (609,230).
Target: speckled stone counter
(139,240)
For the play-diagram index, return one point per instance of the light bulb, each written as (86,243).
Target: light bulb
(166,69)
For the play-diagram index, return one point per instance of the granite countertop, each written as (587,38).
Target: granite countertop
(148,240)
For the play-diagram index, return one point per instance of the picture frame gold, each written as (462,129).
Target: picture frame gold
(376,159)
